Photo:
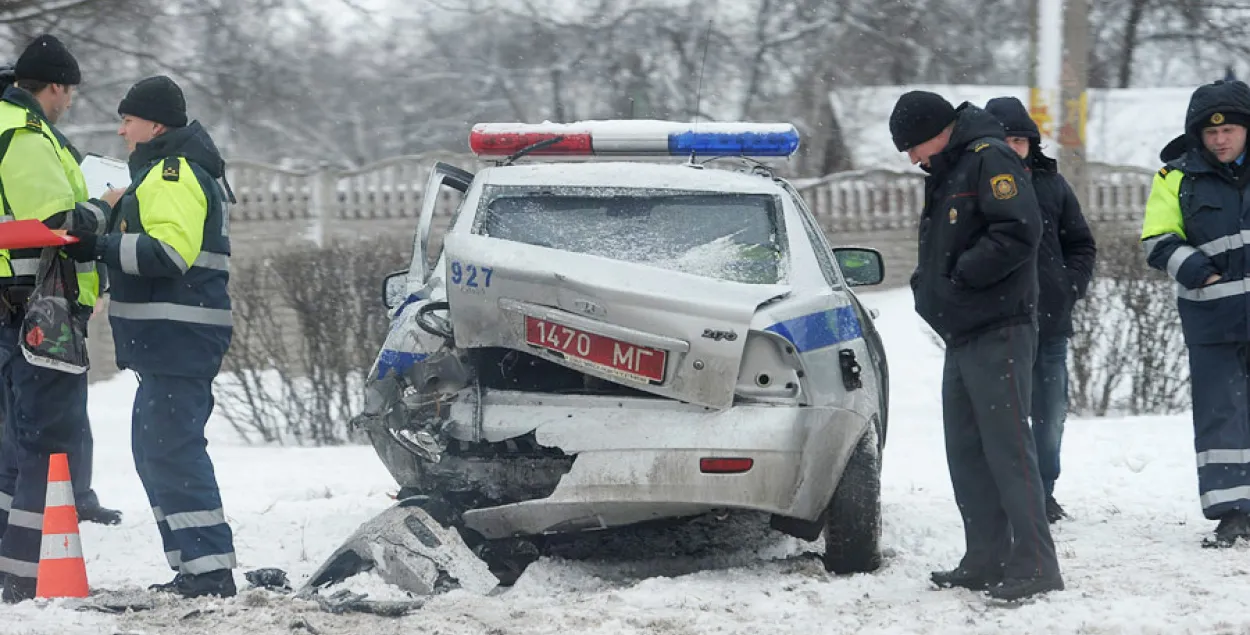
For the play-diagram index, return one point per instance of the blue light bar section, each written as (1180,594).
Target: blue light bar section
(751,144)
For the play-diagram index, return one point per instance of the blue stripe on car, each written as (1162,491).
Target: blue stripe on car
(819,330)
(397,361)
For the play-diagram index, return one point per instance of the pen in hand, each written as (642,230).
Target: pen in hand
(112,195)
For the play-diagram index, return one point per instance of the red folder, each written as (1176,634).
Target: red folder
(26,234)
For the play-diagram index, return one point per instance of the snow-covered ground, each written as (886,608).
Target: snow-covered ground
(1131,553)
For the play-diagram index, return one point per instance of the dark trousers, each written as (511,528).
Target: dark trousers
(1050,405)
(171,456)
(80,464)
(44,411)
(80,467)
(991,456)
(1220,386)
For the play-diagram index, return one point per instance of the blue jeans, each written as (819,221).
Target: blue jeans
(1050,404)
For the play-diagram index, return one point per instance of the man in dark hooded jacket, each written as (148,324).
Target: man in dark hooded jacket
(1065,264)
(168,256)
(976,285)
(1195,228)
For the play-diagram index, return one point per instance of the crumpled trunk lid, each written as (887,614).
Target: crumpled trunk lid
(668,333)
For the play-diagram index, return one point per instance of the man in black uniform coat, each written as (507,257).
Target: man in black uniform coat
(976,284)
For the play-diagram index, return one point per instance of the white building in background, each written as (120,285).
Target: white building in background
(1125,126)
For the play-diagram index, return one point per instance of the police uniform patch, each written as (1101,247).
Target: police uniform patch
(1163,172)
(33,123)
(171,169)
(981,147)
(954,215)
(1003,186)
(123,225)
(1217,118)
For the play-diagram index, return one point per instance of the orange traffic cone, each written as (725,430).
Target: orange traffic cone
(62,572)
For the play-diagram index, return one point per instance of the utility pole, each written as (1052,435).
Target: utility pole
(1033,24)
(1074,83)
(1046,53)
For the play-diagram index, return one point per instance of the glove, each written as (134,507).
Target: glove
(85,249)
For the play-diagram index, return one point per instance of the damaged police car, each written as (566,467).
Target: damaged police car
(606,339)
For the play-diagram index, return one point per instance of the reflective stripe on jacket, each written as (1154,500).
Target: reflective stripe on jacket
(1197,224)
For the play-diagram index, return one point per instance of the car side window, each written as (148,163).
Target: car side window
(816,236)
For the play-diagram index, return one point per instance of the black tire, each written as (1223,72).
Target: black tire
(853,528)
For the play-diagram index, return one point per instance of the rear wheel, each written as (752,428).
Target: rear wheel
(853,528)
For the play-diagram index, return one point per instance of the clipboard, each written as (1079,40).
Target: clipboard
(30,233)
(100,171)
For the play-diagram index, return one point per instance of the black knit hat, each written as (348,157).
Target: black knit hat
(1015,118)
(156,99)
(919,116)
(47,60)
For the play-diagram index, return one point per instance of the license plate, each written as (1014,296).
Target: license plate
(623,359)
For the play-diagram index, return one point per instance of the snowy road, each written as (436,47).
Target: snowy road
(1131,554)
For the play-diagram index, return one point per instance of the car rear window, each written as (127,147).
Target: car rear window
(733,237)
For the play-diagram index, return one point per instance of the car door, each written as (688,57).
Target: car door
(442,175)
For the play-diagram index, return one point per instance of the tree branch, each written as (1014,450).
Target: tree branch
(35,8)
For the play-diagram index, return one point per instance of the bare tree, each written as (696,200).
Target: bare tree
(284,81)
(21,10)
(1208,32)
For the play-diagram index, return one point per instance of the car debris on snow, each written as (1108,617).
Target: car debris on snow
(409,549)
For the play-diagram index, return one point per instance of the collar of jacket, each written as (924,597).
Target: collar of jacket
(1188,154)
(971,123)
(190,141)
(1198,160)
(19,97)
(150,152)
(1039,161)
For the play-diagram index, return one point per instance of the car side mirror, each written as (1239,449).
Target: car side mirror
(861,266)
(394,289)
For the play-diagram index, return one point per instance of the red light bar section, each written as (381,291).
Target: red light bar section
(507,143)
(716,465)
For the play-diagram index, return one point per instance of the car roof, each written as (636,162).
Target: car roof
(624,174)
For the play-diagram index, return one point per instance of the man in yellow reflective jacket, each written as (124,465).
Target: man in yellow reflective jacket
(44,410)
(81,460)
(1195,228)
(168,254)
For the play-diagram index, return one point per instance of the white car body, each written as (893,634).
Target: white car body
(765,391)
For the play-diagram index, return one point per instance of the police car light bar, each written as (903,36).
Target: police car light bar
(636,138)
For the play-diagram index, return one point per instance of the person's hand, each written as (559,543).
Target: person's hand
(85,249)
(113,195)
(1212,279)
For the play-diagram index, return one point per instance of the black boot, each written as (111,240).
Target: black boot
(1012,589)
(219,583)
(1054,513)
(167,587)
(966,578)
(1233,525)
(90,510)
(17,589)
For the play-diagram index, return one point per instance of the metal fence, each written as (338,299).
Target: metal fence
(863,201)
